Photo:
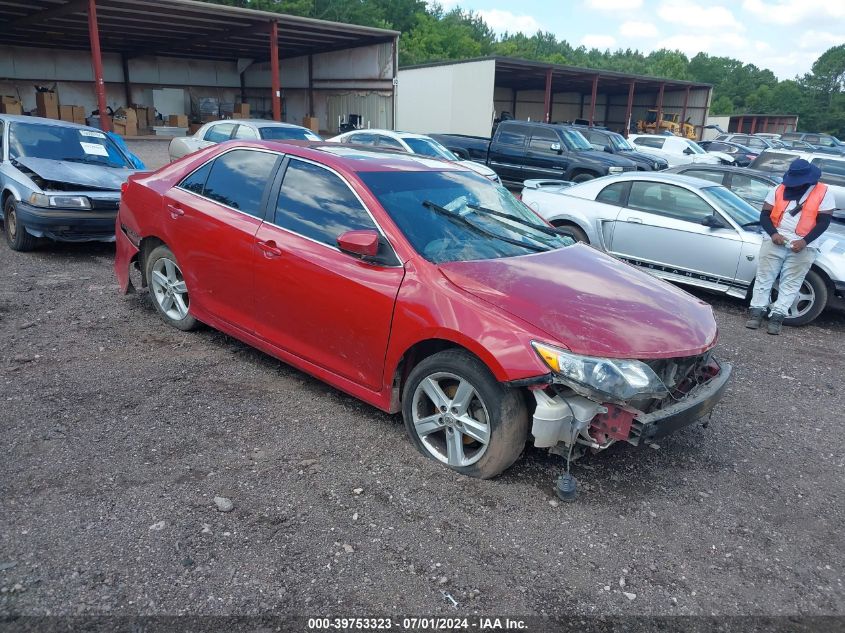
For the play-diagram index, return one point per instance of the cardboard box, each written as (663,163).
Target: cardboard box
(66,113)
(194,127)
(8,100)
(177,120)
(312,123)
(47,105)
(11,108)
(78,114)
(126,122)
(241,111)
(146,116)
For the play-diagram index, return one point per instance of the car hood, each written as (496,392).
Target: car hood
(644,158)
(478,168)
(77,174)
(591,303)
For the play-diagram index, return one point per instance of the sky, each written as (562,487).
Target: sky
(785,36)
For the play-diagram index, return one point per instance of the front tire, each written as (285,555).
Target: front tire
(17,236)
(570,230)
(810,302)
(457,413)
(168,289)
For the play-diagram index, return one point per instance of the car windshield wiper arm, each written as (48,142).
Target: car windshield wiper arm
(428,204)
(542,229)
(754,223)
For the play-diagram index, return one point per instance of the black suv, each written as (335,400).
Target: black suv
(613,143)
(822,142)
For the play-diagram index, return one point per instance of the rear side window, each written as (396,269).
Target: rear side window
(790,136)
(196,181)
(361,139)
(245,132)
(512,135)
(613,194)
(833,171)
(219,133)
(238,178)
(751,189)
(773,162)
(315,203)
(669,201)
(386,141)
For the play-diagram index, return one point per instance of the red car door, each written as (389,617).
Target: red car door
(312,300)
(212,217)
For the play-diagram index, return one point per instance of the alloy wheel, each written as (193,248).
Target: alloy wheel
(169,289)
(11,223)
(450,419)
(803,302)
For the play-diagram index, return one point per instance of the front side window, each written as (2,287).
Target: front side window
(238,178)
(70,144)
(279,133)
(219,133)
(542,141)
(450,216)
(738,209)
(575,140)
(316,203)
(752,189)
(812,139)
(669,201)
(650,141)
(694,147)
(825,141)
(429,147)
(361,139)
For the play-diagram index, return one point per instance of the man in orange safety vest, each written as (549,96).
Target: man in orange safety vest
(795,213)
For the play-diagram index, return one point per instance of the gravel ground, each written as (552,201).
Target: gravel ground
(120,432)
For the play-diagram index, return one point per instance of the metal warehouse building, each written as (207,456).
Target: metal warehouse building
(465,97)
(117,52)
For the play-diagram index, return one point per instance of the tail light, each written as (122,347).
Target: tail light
(123,187)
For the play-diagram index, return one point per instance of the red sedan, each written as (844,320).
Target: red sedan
(418,286)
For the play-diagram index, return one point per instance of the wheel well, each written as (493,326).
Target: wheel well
(574,225)
(411,358)
(6,195)
(147,245)
(581,170)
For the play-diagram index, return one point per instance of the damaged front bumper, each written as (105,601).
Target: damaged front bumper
(571,419)
(67,225)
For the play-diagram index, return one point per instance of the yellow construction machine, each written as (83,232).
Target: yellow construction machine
(669,122)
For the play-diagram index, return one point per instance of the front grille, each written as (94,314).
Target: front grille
(104,205)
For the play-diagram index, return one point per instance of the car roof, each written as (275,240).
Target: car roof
(353,158)
(259,123)
(397,134)
(655,176)
(37,120)
(734,169)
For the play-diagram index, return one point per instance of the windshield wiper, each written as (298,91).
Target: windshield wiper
(456,217)
(498,214)
(754,223)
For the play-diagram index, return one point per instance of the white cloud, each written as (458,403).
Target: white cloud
(613,5)
(687,12)
(501,21)
(793,13)
(635,29)
(817,39)
(598,41)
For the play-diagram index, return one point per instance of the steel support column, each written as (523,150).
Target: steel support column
(274,71)
(753,125)
(766,124)
(684,111)
(739,124)
(629,110)
(593,99)
(548,98)
(660,106)
(97,65)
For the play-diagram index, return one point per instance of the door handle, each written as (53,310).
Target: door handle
(175,211)
(634,220)
(270,249)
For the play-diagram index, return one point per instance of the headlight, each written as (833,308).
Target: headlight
(617,378)
(615,170)
(59,202)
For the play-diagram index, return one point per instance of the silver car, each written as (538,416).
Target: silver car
(243,129)
(58,180)
(684,230)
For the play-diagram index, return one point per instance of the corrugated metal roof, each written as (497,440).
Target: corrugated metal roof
(177,28)
(524,74)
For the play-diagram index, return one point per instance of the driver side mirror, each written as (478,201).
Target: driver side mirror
(608,149)
(714,222)
(363,244)
(555,147)
(688,151)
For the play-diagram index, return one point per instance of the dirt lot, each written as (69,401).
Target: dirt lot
(119,432)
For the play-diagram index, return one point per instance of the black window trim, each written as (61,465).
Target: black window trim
(274,195)
(263,205)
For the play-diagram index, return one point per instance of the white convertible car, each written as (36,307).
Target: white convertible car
(685,230)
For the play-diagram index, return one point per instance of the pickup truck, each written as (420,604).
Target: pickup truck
(525,150)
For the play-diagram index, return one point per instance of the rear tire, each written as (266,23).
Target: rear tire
(570,230)
(168,289)
(583,177)
(17,236)
(480,426)
(812,299)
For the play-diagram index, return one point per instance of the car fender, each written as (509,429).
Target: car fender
(559,207)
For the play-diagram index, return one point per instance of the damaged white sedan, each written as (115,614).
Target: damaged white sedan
(59,181)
